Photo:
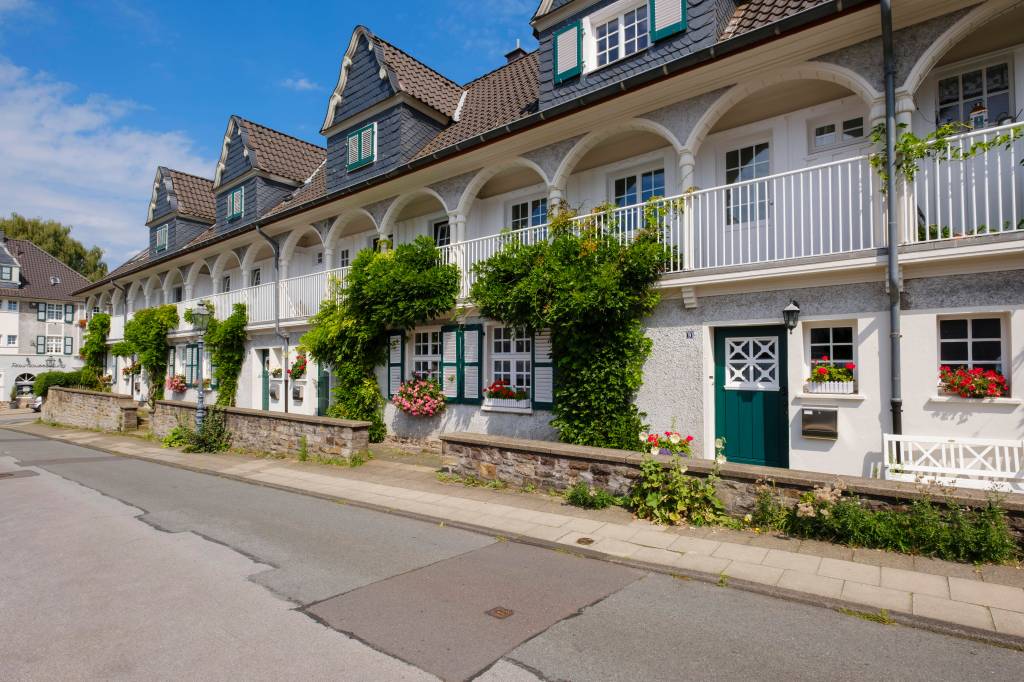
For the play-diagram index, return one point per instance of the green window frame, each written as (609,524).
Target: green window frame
(161,237)
(662,11)
(396,361)
(41,344)
(462,350)
(361,146)
(543,388)
(69,313)
(191,364)
(69,345)
(236,203)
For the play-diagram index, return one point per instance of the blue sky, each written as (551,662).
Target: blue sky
(95,95)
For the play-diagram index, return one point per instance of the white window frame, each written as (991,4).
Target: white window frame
(1003,339)
(12,339)
(54,345)
(974,64)
(732,385)
(55,313)
(838,121)
(225,283)
(813,359)
(520,351)
(343,258)
(637,174)
(162,238)
(255,277)
(318,258)
(531,203)
(6,273)
(232,214)
(601,17)
(12,306)
(432,345)
(435,224)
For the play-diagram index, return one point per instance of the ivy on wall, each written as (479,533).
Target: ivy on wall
(225,339)
(592,288)
(385,290)
(94,343)
(145,338)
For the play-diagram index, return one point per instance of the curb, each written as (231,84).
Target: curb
(898,617)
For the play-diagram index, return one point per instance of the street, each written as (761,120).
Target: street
(116,568)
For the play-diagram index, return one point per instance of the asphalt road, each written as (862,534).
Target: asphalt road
(115,568)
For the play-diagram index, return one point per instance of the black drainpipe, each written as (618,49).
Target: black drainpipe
(893,273)
(276,248)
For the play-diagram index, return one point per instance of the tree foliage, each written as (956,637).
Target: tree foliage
(384,291)
(226,339)
(592,288)
(94,343)
(55,239)
(145,338)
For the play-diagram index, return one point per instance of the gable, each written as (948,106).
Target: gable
(364,86)
(235,156)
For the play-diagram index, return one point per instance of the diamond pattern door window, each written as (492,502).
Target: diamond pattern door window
(752,363)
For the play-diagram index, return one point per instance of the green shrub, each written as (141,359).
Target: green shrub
(94,341)
(303,449)
(84,378)
(212,436)
(945,531)
(586,497)
(176,437)
(666,495)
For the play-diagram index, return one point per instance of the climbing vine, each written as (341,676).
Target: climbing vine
(385,291)
(225,340)
(94,343)
(592,289)
(145,338)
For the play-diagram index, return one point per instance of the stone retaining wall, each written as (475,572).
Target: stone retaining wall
(276,432)
(91,409)
(559,466)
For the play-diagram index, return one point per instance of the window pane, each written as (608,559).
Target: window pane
(949,114)
(949,90)
(985,328)
(953,352)
(842,352)
(987,351)
(732,159)
(997,78)
(853,128)
(824,135)
(998,107)
(539,214)
(820,335)
(819,352)
(842,334)
(953,329)
(972,83)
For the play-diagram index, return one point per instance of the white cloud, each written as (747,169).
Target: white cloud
(74,159)
(299,84)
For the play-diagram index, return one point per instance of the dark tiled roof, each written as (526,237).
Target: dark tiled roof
(37,267)
(195,196)
(314,189)
(280,154)
(757,13)
(133,262)
(419,80)
(500,97)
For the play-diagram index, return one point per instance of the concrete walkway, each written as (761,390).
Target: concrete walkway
(986,602)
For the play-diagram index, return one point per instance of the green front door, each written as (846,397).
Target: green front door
(751,397)
(323,391)
(265,361)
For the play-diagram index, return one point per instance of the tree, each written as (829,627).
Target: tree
(145,338)
(55,239)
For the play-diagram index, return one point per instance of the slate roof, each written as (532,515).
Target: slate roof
(754,14)
(194,194)
(127,266)
(314,189)
(37,267)
(280,154)
(419,80)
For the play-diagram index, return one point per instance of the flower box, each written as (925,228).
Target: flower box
(835,387)
(508,404)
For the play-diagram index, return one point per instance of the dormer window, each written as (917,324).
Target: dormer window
(620,36)
(161,238)
(236,203)
(362,146)
(6,273)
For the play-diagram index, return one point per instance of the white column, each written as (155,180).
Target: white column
(457,225)
(555,197)
(328,258)
(686,166)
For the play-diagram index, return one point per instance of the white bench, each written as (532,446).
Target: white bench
(982,463)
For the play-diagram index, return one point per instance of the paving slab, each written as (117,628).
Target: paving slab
(987,594)
(916,582)
(879,597)
(850,570)
(819,585)
(970,615)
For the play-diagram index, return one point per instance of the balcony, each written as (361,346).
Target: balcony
(827,210)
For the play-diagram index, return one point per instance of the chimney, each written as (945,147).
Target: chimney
(517,53)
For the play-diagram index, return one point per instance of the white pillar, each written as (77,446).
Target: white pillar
(328,258)
(457,225)
(555,197)
(686,166)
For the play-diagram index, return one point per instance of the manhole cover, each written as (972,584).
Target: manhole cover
(500,612)
(585,541)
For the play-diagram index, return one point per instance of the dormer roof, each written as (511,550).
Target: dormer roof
(271,152)
(42,276)
(188,195)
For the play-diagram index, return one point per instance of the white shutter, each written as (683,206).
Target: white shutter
(669,18)
(543,371)
(366,143)
(567,52)
(450,363)
(471,337)
(396,362)
(353,149)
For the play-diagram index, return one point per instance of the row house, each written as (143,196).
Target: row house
(752,118)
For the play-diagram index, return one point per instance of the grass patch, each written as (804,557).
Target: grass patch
(586,497)
(470,481)
(881,617)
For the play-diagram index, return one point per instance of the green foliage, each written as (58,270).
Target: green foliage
(586,497)
(84,378)
(666,495)
(145,338)
(226,341)
(303,449)
(55,239)
(592,289)
(94,342)
(212,436)
(384,291)
(947,531)
(177,437)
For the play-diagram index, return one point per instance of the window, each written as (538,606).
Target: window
(960,94)
(971,343)
(640,187)
(236,203)
(12,340)
(748,202)
(225,283)
(426,354)
(382,243)
(254,277)
(512,357)
(24,383)
(442,233)
(161,238)
(752,363)
(529,214)
(318,259)
(6,273)
(343,259)
(54,312)
(54,345)
(834,343)
(177,294)
(621,36)
(12,306)
(191,364)
(362,146)
(837,133)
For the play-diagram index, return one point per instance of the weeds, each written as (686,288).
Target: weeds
(586,497)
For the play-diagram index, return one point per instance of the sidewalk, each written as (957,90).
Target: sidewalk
(985,602)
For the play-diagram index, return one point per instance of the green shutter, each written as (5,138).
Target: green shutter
(69,313)
(41,312)
(361,146)
(543,383)
(667,17)
(40,345)
(568,52)
(191,362)
(396,361)
(69,345)
(172,359)
(472,358)
(451,347)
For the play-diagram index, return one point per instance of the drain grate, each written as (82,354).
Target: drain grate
(500,612)
(585,541)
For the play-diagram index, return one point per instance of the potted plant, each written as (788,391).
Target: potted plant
(83,323)
(972,383)
(667,443)
(420,397)
(827,377)
(176,383)
(298,369)
(500,394)
(276,373)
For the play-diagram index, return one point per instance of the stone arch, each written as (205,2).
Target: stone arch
(339,225)
(220,266)
(808,71)
(172,279)
(484,175)
(387,224)
(151,289)
(593,139)
(292,241)
(256,251)
(103,302)
(967,24)
(134,289)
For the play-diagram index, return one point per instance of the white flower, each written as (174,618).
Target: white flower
(643,437)
(675,439)
(719,443)
(719,459)
(655,450)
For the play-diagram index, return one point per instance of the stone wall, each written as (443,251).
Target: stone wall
(277,432)
(91,409)
(559,466)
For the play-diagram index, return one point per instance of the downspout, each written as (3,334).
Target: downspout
(276,248)
(893,269)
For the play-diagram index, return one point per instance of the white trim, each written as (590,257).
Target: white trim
(603,16)
(973,401)
(458,109)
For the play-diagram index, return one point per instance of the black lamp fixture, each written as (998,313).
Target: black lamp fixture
(791,315)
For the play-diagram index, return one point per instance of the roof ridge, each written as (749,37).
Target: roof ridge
(503,66)
(191,175)
(415,59)
(283,134)
(48,255)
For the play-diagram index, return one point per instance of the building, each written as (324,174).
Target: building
(41,319)
(753,117)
